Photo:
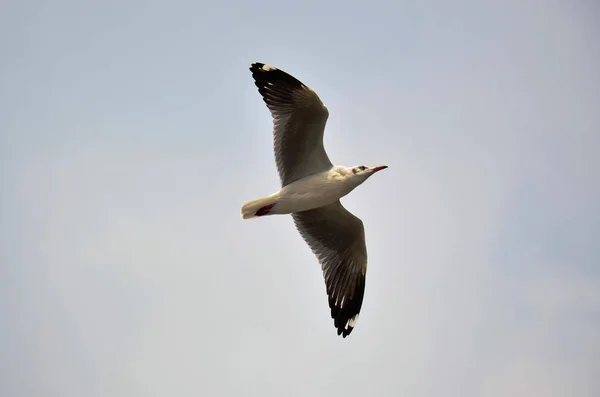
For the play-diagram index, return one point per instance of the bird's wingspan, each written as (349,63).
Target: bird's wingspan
(299,119)
(337,238)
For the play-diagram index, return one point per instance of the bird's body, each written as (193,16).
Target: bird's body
(305,194)
(311,189)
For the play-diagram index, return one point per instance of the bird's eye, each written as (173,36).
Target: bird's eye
(362,168)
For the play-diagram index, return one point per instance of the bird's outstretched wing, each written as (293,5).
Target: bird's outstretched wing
(299,119)
(337,238)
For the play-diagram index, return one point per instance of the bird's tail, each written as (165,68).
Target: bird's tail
(258,207)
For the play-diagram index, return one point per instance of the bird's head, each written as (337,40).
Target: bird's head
(361,172)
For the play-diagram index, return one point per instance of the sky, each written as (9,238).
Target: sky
(131,133)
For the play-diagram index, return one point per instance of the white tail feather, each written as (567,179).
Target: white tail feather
(249,209)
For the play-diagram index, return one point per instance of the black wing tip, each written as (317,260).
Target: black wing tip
(263,73)
(342,315)
(344,331)
(256,67)
(343,328)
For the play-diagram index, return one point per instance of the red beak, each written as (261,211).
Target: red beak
(378,168)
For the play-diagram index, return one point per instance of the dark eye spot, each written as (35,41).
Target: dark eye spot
(362,168)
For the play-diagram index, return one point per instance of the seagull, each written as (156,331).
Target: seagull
(311,188)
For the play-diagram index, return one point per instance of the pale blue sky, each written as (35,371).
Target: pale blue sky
(131,133)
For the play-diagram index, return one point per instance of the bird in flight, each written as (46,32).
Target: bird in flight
(311,188)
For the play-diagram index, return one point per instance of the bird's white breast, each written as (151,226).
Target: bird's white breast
(312,191)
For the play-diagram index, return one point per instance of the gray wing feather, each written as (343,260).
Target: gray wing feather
(299,119)
(337,238)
